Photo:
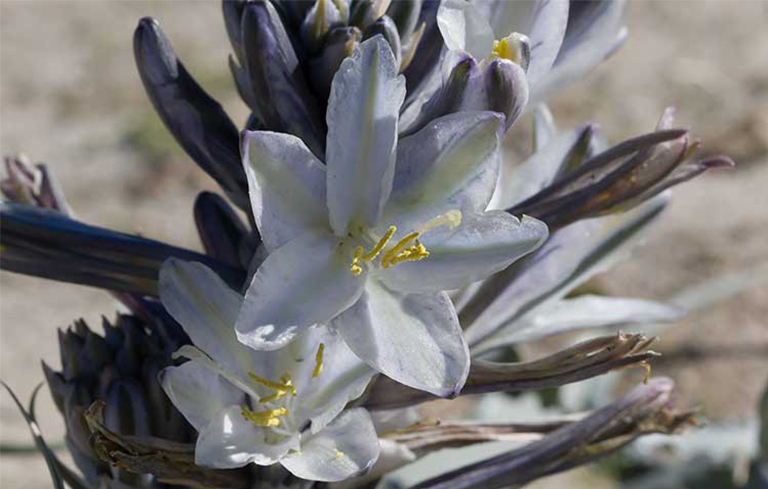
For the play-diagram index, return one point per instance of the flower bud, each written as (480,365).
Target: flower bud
(197,121)
(405,15)
(386,28)
(220,229)
(279,90)
(339,44)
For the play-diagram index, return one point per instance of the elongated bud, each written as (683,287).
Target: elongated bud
(450,97)
(279,90)
(220,230)
(323,17)
(366,12)
(621,177)
(47,244)
(340,43)
(506,89)
(233,20)
(197,121)
(386,28)
(423,62)
(405,14)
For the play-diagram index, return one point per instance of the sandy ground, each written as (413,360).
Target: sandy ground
(69,96)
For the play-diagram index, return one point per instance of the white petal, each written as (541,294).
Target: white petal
(547,29)
(481,245)
(568,258)
(231,441)
(586,44)
(413,338)
(586,311)
(452,163)
(207,309)
(363,108)
(345,448)
(286,184)
(305,282)
(198,392)
(464,28)
(343,378)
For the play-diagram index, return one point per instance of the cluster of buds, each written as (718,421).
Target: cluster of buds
(369,172)
(120,369)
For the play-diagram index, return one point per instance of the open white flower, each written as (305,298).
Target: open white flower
(262,407)
(368,246)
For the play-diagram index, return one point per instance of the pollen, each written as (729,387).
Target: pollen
(270,418)
(318,360)
(339,454)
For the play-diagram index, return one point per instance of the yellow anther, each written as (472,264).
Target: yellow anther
(279,393)
(355,267)
(414,253)
(318,360)
(508,48)
(371,255)
(401,245)
(278,386)
(269,418)
(501,49)
(406,249)
(361,256)
(274,397)
(339,454)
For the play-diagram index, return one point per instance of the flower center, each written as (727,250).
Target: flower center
(409,248)
(271,417)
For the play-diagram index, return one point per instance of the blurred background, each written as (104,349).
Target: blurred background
(70,97)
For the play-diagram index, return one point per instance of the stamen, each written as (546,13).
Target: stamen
(284,387)
(414,253)
(339,454)
(354,267)
(501,49)
(508,48)
(361,255)
(403,250)
(393,252)
(370,256)
(270,418)
(318,360)
(450,218)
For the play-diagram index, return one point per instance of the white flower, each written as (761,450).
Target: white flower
(368,246)
(260,407)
